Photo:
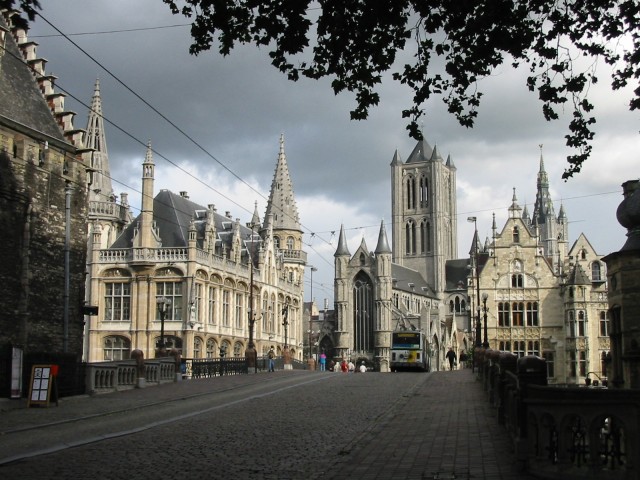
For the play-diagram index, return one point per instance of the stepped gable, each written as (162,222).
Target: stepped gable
(21,99)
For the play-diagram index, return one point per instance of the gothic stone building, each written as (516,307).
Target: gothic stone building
(377,293)
(42,208)
(216,273)
(541,296)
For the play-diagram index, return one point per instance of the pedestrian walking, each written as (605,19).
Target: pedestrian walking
(272,359)
(352,367)
(451,356)
(363,367)
(323,362)
(463,359)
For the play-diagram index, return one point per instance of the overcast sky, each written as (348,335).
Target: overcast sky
(235,108)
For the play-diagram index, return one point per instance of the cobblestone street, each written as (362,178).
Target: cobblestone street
(285,425)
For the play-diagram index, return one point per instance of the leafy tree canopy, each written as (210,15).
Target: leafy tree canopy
(354,42)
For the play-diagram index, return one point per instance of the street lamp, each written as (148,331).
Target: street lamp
(312,269)
(477,275)
(163,306)
(485,296)
(251,353)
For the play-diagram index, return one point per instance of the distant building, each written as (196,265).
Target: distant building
(544,298)
(43,203)
(402,288)
(216,273)
(541,296)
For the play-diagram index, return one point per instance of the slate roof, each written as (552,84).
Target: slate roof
(456,273)
(21,100)
(172,214)
(403,276)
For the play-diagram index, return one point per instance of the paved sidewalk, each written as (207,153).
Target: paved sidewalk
(444,430)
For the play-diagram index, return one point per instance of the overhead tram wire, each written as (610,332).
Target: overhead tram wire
(165,118)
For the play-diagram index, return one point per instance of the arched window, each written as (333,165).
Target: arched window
(532,314)
(212,348)
(237,349)
(410,240)
(503,314)
(595,272)
(197,347)
(424,192)
(583,254)
(276,242)
(290,243)
(363,314)
(411,192)
(517,312)
(517,280)
(451,307)
(116,348)
(516,235)
(363,259)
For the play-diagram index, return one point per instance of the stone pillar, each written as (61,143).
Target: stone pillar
(138,356)
(623,274)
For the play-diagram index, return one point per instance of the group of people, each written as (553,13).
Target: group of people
(453,359)
(346,367)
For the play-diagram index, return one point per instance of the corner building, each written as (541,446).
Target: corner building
(217,272)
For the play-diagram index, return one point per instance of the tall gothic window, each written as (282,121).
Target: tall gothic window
(411,192)
(410,237)
(532,314)
(516,235)
(363,315)
(424,192)
(425,236)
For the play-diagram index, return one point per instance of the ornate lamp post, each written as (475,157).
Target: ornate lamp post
(223,352)
(251,352)
(312,269)
(485,296)
(163,306)
(477,280)
(285,351)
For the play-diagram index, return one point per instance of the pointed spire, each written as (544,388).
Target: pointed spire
(255,219)
(282,203)
(562,215)
(475,243)
(342,244)
(101,188)
(396,158)
(543,208)
(514,210)
(422,152)
(383,244)
(450,162)
(435,154)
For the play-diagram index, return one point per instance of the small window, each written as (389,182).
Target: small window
(516,235)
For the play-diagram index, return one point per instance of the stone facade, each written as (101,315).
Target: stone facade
(42,206)
(219,275)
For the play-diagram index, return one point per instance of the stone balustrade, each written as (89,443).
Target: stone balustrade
(107,377)
(562,432)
